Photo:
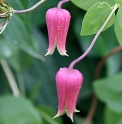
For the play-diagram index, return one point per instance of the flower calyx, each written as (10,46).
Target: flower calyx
(5,14)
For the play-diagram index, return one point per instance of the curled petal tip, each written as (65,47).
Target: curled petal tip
(76,110)
(49,52)
(63,53)
(70,116)
(57,115)
(71,119)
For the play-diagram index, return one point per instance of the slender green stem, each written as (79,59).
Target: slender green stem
(10,77)
(29,9)
(94,39)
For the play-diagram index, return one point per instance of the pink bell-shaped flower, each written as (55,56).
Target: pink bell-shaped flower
(57,20)
(69,83)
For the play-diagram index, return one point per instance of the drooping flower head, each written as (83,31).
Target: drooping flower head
(57,20)
(69,83)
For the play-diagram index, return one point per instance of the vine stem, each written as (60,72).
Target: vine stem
(97,74)
(115,50)
(10,78)
(94,39)
(29,9)
(61,2)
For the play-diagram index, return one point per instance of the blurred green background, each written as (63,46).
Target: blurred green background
(23,45)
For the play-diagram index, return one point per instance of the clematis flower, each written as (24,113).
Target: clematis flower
(57,20)
(69,83)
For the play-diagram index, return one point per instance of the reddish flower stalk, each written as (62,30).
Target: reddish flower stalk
(61,2)
(94,39)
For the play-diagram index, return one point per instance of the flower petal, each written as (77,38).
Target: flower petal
(63,21)
(50,17)
(75,82)
(61,83)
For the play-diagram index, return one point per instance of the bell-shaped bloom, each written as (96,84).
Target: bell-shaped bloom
(69,83)
(57,21)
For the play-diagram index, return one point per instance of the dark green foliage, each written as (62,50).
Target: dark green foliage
(24,43)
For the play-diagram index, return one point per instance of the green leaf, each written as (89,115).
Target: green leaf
(20,61)
(112,65)
(18,111)
(47,114)
(38,15)
(118,26)
(119,2)
(95,18)
(7,50)
(86,4)
(102,45)
(42,73)
(79,120)
(4,88)
(119,17)
(109,90)
(112,117)
(24,3)
(17,32)
(19,4)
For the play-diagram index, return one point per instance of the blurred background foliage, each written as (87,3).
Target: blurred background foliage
(24,43)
